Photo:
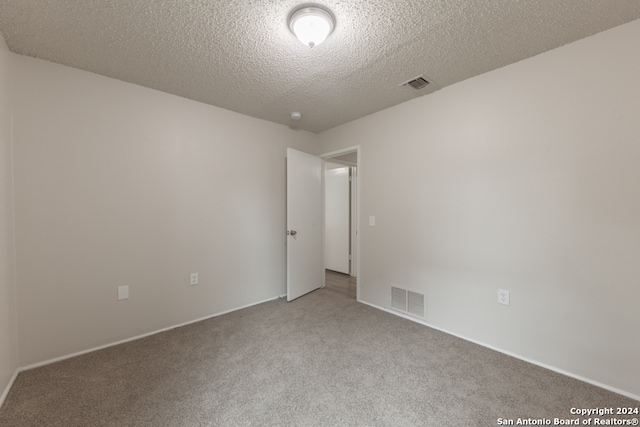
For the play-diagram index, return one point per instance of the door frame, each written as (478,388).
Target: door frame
(337,153)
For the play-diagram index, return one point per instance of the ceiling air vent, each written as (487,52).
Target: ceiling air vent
(417,83)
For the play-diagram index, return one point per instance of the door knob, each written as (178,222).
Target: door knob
(293,232)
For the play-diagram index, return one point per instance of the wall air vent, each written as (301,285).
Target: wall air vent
(415,304)
(417,83)
(408,302)
(398,299)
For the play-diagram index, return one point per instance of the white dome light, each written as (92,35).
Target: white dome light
(311,25)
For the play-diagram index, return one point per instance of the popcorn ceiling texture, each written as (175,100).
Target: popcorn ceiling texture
(241,56)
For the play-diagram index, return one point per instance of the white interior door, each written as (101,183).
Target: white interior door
(336,219)
(305,271)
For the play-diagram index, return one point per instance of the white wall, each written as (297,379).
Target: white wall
(8,343)
(121,185)
(526,178)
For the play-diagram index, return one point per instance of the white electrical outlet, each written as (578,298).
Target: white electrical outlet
(503,296)
(194,279)
(372,220)
(123,292)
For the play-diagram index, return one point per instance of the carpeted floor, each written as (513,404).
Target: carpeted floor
(321,360)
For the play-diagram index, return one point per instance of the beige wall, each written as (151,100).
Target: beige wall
(527,179)
(121,185)
(8,343)
(524,178)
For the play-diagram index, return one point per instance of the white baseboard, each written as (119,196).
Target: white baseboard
(508,353)
(137,337)
(5,393)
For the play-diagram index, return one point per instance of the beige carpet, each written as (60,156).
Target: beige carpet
(322,360)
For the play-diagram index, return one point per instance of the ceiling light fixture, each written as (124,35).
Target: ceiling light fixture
(312,24)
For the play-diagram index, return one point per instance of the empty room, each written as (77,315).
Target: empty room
(168,250)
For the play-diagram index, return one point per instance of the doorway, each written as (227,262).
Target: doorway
(341,240)
(305,220)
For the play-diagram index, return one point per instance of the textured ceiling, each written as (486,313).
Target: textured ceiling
(240,55)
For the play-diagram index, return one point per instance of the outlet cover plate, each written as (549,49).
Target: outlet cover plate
(123,292)
(503,297)
(194,279)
